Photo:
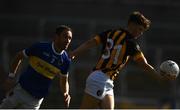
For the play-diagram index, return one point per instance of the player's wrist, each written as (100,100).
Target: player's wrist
(12,75)
(65,94)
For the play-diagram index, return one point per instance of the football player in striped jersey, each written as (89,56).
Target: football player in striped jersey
(118,46)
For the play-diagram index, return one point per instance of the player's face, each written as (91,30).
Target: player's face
(135,30)
(63,40)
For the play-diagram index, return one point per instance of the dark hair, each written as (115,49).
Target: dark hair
(61,28)
(138,18)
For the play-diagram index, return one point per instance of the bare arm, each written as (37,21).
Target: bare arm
(142,62)
(16,62)
(10,81)
(64,85)
(85,46)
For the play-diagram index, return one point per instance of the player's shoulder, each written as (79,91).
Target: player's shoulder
(38,46)
(132,43)
(111,30)
(115,30)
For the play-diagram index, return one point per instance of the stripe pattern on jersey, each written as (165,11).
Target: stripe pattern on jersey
(117,37)
(43,68)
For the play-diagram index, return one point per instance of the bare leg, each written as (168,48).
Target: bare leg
(108,102)
(89,102)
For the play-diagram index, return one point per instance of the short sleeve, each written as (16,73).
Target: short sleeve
(66,65)
(102,37)
(65,70)
(32,50)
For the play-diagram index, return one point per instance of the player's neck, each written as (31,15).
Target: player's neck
(56,48)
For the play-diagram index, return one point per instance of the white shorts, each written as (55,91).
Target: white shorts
(19,98)
(98,84)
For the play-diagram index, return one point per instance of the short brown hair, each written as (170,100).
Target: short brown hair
(138,18)
(61,28)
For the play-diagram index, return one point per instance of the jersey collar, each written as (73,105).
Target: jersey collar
(53,48)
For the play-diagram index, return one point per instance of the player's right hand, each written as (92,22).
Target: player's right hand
(67,99)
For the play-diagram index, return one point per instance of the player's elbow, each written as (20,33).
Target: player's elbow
(142,62)
(20,55)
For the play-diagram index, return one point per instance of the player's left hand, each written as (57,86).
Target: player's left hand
(67,99)
(71,55)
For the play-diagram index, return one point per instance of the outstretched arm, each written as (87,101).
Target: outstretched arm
(64,85)
(85,46)
(142,62)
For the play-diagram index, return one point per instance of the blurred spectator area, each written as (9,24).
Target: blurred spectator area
(24,22)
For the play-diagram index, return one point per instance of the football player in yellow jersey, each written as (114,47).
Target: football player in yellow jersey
(119,45)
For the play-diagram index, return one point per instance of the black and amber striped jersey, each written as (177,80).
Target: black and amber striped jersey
(118,47)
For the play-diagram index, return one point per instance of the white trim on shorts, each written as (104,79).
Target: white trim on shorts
(98,85)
